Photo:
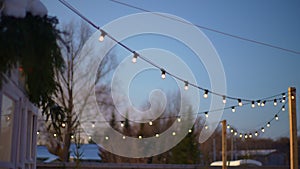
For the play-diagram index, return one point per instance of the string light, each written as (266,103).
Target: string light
(122,123)
(268,124)
(228,126)
(190,130)
(150,123)
(205,95)
(174,133)
(90,138)
(93,124)
(103,34)
(262,129)
(134,58)
(206,114)
(224,99)
(72,136)
(124,137)
(283,98)
(206,127)
(186,85)
(258,102)
(106,137)
(163,73)
(256,134)
(54,134)
(276,117)
(283,108)
(235,133)
(275,102)
(233,109)
(241,135)
(140,137)
(246,136)
(157,135)
(63,125)
(293,97)
(38,132)
(231,130)
(179,119)
(263,103)
(250,135)
(252,104)
(240,102)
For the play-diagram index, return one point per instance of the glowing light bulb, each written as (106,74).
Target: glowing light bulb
(174,133)
(224,99)
(90,138)
(276,117)
(101,38)
(72,136)
(235,133)
(283,108)
(262,129)
(231,130)
(156,135)
(163,74)
(54,134)
(246,136)
(206,127)
(256,134)
(124,137)
(122,124)
(134,58)
(252,104)
(263,103)
(186,85)
(240,102)
(293,97)
(140,137)
(206,114)
(275,102)
(63,125)
(268,124)
(283,98)
(228,126)
(179,119)
(233,109)
(241,135)
(38,132)
(258,102)
(250,135)
(190,130)
(150,123)
(93,124)
(205,95)
(106,137)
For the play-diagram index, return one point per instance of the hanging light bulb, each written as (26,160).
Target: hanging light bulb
(103,34)
(263,103)
(228,126)
(262,129)
(240,102)
(268,124)
(124,137)
(224,99)
(63,125)
(235,133)
(186,85)
(250,135)
(190,130)
(93,124)
(206,114)
(140,137)
(275,102)
(156,135)
(174,133)
(233,109)
(72,136)
(205,95)
(256,134)
(90,138)
(122,123)
(246,136)
(293,97)
(276,117)
(206,127)
(178,119)
(231,130)
(54,134)
(252,104)
(150,123)
(38,132)
(135,56)
(258,102)
(163,73)
(283,108)
(241,135)
(283,98)
(106,137)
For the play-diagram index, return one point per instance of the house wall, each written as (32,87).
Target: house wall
(17,125)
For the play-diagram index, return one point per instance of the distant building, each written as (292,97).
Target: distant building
(84,152)
(17,124)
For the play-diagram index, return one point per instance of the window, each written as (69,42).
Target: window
(6,128)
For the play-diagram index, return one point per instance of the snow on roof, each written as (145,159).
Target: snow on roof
(237,163)
(19,8)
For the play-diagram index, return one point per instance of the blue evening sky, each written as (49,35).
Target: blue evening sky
(252,71)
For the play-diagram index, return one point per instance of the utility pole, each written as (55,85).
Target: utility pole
(293,128)
(224,145)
